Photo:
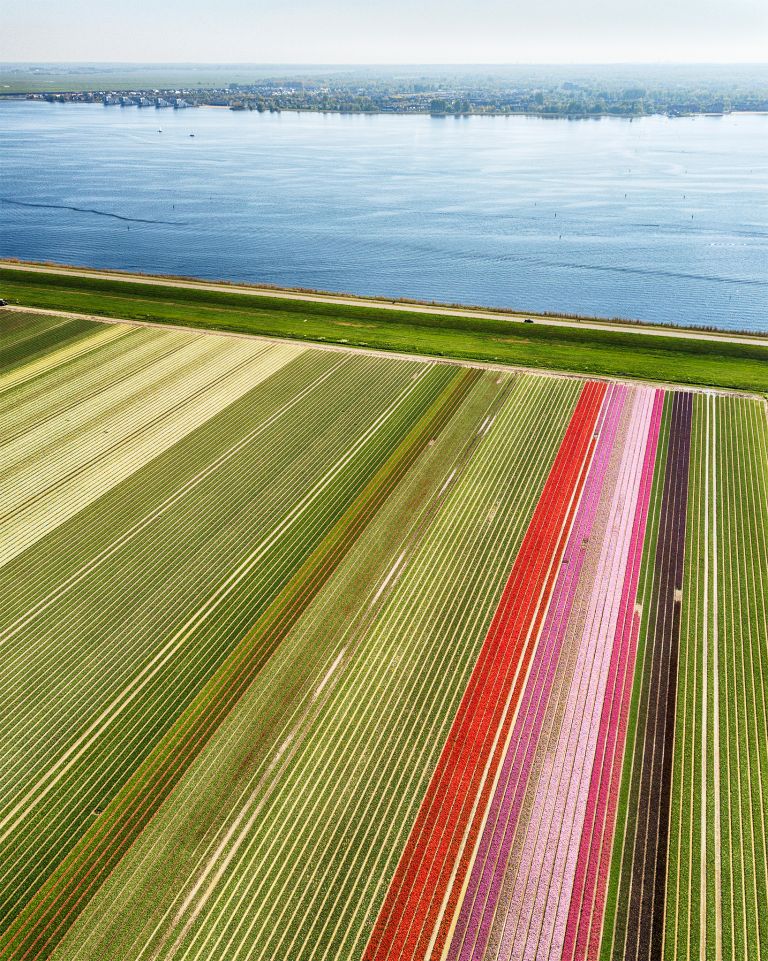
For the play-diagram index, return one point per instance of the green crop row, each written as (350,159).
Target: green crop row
(742,520)
(129,646)
(329,800)
(26,337)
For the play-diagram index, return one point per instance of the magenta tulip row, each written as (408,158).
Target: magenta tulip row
(542,846)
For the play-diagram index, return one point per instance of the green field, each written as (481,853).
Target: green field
(608,352)
(52,78)
(254,593)
(721,758)
(303,566)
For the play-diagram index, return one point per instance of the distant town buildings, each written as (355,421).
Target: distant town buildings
(450,96)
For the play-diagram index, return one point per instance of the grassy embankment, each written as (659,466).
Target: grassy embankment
(614,353)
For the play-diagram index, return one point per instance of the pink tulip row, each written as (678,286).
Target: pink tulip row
(437,857)
(582,937)
(537,929)
(473,927)
(536,919)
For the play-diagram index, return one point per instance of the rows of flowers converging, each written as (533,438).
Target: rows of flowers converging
(414,919)
(511,851)
(473,928)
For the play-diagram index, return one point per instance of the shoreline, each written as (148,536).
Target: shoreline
(622,352)
(618,324)
(37,96)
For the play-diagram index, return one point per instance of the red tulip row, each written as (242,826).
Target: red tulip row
(423,893)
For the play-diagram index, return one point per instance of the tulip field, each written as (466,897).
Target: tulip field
(317,653)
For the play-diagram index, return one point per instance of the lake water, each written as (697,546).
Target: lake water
(658,219)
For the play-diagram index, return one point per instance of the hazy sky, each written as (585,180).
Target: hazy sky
(386,31)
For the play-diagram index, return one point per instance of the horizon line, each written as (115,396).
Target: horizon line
(404,63)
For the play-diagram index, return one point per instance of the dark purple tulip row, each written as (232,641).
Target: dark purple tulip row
(644,886)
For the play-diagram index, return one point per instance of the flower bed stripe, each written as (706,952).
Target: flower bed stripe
(588,899)
(642,906)
(67,892)
(473,927)
(409,923)
(537,914)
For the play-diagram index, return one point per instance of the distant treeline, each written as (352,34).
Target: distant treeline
(556,91)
